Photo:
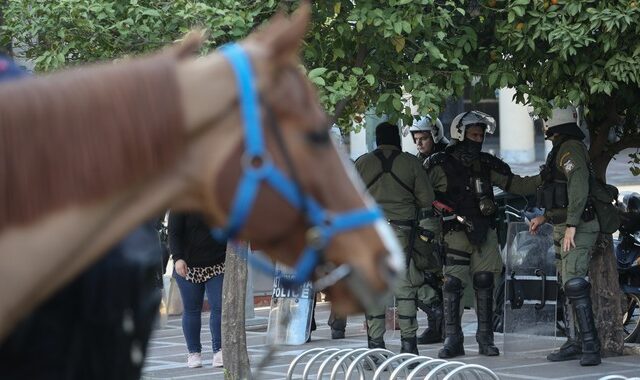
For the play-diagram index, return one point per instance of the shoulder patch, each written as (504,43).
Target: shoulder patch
(568,166)
(495,163)
(434,160)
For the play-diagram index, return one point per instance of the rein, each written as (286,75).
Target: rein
(258,167)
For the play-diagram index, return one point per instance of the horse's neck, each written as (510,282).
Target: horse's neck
(57,248)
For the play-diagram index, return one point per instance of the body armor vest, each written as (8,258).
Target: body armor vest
(552,193)
(469,188)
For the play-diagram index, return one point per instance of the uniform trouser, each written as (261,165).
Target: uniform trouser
(405,292)
(574,262)
(464,259)
(429,261)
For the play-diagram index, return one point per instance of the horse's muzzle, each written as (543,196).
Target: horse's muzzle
(387,270)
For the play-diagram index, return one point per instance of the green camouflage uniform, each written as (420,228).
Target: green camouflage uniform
(485,257)
(428,257)
(572,160)
(400,207)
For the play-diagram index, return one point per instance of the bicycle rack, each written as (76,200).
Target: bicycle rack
(385,365)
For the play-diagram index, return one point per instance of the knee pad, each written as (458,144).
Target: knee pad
(483,280)
(452,284)
(576,287)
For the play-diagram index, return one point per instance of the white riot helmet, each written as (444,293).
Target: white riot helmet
(563,121)
(464,120)
(426,124)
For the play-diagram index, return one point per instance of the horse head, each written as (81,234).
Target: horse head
(90,153)
(297,140)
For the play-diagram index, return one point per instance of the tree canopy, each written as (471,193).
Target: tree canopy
(582,52)
(369,54)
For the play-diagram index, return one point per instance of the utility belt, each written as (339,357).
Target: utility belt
(402,223)
(559,215)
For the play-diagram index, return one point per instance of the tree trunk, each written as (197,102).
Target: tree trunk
(605,295)
(234,339)
(603,270)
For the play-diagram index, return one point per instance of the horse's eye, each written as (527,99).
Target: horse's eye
(318,137)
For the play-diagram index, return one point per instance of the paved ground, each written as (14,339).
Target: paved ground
(167,356)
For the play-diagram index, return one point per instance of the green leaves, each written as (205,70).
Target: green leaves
(59,33)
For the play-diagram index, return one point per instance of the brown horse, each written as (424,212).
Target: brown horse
(89,154)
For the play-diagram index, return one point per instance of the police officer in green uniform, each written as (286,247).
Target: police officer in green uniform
(565,196)
(397,181)
(463,178)
(428,135)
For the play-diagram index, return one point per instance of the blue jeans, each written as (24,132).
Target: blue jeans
(192,298)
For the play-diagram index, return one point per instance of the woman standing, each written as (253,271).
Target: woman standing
(198,267)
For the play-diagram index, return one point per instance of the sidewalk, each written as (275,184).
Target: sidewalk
(166,358)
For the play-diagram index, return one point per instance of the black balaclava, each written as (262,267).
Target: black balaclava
(388,134)
(570,130)
(469,150)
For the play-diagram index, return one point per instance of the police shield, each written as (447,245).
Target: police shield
(531,290)
(291,310)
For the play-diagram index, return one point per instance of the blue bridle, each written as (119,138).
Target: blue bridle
(258,167)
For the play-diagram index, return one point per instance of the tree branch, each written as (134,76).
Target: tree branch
(625,143)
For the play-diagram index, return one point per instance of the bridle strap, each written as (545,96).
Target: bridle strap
(258,167)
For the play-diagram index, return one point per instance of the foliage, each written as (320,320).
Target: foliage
(360,53)
(57,33)
(369,53)
(581,52)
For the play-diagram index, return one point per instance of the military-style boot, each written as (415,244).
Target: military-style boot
(435,320)
(454,339)
(338,325)
(373,343)
(409,345)
(578,290)
(483,285)
(572,348)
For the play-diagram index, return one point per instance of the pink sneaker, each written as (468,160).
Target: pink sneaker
(194,360)
(217,359)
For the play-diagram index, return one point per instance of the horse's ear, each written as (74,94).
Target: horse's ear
(189,44)
(283,36)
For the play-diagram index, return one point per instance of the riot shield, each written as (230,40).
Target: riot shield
(291,310)
(531,290)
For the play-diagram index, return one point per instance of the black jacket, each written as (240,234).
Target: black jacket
(190,240)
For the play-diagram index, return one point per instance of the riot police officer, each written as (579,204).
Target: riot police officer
(463,179)
(428,135)
(397,181)
(564,194)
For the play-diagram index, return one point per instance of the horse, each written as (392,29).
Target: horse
(90,153)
